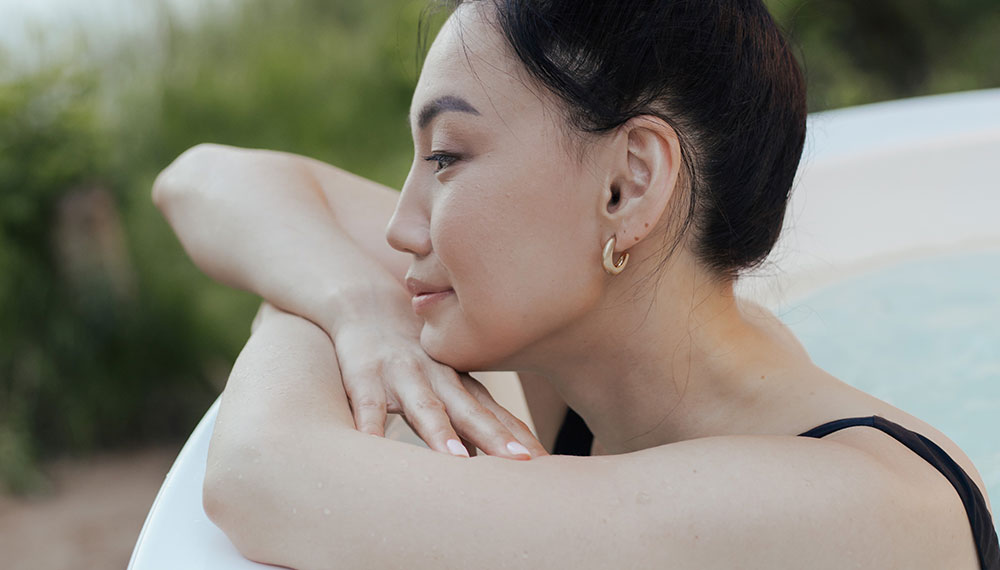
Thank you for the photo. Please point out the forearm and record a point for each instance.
(260, 221)
(283, 403)
(288, 478)
(292, 483)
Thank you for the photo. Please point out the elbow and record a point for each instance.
(213, 500)
(228, 500)
(185, 173)
(218, 499)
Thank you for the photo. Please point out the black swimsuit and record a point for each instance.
(575, 439)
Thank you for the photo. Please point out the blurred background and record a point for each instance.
(112, 344)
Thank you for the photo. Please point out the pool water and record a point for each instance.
(922, 335)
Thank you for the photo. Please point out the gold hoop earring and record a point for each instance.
(609, 252)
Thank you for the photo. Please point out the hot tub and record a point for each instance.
(888, 269)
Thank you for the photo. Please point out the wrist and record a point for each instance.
(382, 301)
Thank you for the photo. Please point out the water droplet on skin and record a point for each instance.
(319, 485)
(642, 498)
(326, 512)
(295, 511)
(240, 476)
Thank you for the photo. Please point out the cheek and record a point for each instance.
(519, 258)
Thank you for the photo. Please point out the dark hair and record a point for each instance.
(719, 72)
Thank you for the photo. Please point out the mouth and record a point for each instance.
(424, 301)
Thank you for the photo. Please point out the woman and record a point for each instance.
(590, 179)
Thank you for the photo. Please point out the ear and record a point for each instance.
(644, 165)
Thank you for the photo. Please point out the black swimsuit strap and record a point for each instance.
(975, 505)
(574, 436)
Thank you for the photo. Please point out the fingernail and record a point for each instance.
(456, 448)
(518, 449)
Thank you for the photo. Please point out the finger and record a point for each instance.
(518, 428)
(478, 424)
(368, 403)
(428, 417)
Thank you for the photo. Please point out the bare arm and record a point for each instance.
(309, 237)
(265, 222)
(291, 483)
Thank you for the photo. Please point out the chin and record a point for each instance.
(465, 355)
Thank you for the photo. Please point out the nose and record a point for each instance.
(409, 228)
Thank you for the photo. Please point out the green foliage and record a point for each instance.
(331, 79)
(859, 51)
(87, 358)
(110, 336)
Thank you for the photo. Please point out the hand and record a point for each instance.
(385, 370)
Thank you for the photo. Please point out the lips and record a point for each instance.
(426, 294)
(417, 287)
(423, 302)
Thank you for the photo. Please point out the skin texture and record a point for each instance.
(515, 178)
(643, 368)
(693, 393)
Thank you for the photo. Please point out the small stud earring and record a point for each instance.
(609, 265)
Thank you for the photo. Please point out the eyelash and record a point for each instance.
(440, 158)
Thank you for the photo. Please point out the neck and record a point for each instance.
(690, 361)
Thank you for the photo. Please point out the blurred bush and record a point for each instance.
(89, 356)
(108, 334)
(861, 51)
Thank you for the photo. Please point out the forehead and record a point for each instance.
(470, 59)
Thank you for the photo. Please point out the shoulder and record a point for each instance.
(773, 501)
(939, 517)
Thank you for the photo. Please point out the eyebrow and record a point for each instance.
(440, 105)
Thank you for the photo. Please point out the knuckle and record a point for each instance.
(365, 370)
(399, 366)
(369, 403)
(477, 412)
(409, 365)
(507, 418)
(431, 427)
(428, 403)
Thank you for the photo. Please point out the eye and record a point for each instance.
(443, 160)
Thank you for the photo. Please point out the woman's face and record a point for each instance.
(500, 211)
